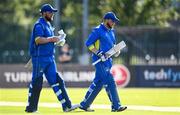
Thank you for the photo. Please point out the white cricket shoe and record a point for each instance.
(73, 107)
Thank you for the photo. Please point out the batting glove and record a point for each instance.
(101, 55)
(61, 37)
(60, 42)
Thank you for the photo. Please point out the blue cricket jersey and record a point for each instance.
(102, 38)
(41, 29)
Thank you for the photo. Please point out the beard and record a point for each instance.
(49, 18)
(109, 26)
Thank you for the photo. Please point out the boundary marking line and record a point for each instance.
(97, 106)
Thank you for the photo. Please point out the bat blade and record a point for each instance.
(116, 48)
(113, 50)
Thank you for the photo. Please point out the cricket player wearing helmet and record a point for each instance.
(102, 39)
(42, 46)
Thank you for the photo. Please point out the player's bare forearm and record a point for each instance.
(43, 40)
(94, 50)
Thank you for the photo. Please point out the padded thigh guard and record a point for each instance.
(34, 93)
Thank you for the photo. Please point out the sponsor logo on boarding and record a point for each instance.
(121, 75)
(162, 75)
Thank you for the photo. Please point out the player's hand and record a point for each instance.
(54, 39)
(117, 54)
(101, 55)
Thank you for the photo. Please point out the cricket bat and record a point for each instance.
(113, 51)
(29, 64)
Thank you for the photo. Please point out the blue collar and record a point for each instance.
(42, 20)
(104, 27)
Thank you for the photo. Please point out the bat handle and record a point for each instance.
(100, 60)
(96, 62)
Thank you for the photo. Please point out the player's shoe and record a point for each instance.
(86, 109)
(122, 108)
(31, 111)
(73, 107)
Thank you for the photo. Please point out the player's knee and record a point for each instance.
(59, 79)
(37, 83)
(110, 78)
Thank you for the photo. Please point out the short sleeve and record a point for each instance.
(38, 31)
(93, 37)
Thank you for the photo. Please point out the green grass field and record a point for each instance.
(129, 96)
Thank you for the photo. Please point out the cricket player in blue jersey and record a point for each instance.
(42, 49)
(102, 39)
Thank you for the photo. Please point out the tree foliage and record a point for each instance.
(137, 12)
(131, 12)
(17, 17)
(20, 12)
